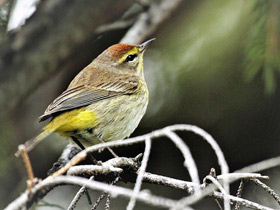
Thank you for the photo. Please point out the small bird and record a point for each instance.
(104, 102)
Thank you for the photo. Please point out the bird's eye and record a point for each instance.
(130, 57)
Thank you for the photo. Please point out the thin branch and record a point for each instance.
(88, 197)
(267, 189)
(169, 182)
(116, 164)
(108, 202)
(216, 183)
(154, 135)
(209, 189)
(218, 204)
(219, 186)
(99, 199)
(260, 166)
(220, 155)
(189, 162)
(94, 185)
(163, 180)
(93, 170)
(243, 202)
(102, 196)
(141, 172)
(27, 162)
(151, 178)
(236, 176)
(239, 193)
(78, 196)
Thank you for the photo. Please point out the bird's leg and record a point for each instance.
(82, 147)
(110, 150)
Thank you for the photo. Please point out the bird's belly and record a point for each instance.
(116, 118)
(120, 117)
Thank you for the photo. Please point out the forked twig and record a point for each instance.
(99, 199)
(78, 196)
(102, 196)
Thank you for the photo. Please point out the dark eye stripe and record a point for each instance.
(130, 57)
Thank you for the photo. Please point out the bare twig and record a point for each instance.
(94, 185)
(141, 172)
(116, 166)
(169, 182)
(221, 159)
(27, 163)
(218, 204)
(236, 176)
(88, 197)
(28, 166)
(260, 166)
(217, 184)
(108, 202)
(239, 193)
(78, 196)
(102, 196)
(151, 178)
(99, 199)
(243, 202)
(267, 189)
(209, 189)
(158, 179)
(93, 170)
(189, 161)
(154, 135)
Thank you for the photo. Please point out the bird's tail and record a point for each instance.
(30, 144)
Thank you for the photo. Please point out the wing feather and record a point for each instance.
(84, 95)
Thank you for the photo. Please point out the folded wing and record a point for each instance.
(84, 95)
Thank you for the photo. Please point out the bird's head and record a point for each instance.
(126, 58)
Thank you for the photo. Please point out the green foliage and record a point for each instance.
(262, 43)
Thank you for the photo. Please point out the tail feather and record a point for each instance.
(30, 144)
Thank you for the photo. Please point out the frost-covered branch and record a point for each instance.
(133, 170)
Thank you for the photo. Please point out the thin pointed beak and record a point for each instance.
(144, 45)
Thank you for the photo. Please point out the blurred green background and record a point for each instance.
(214, 64)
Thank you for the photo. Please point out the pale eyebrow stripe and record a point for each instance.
(132, 51)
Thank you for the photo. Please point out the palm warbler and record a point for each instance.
(104, 102)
